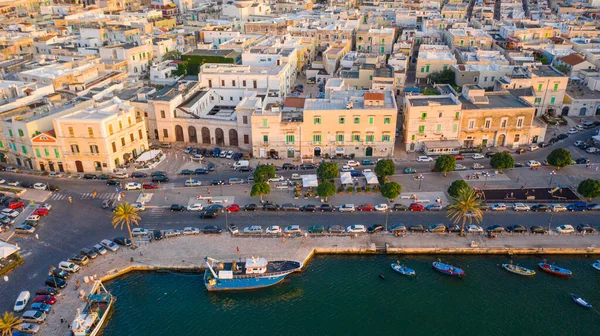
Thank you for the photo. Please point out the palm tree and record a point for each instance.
(125, 214)
(8, 322)
(465, 206)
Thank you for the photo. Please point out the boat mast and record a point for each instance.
(208, 260)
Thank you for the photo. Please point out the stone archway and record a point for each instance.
(501, 140)
(233, 138)
(317, 151)
(565, 111)
(205, 135)
(178, 133)
(192, 134)
(219, 137)
(582, 111)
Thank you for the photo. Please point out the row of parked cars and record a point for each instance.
(200, 153)
(576, 206)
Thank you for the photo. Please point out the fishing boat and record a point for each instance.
(518, 269)
(580, 301)
(402, 269)
(596, 265)
(448, 269)
(252, 273)
(553, 269)
(89, 322)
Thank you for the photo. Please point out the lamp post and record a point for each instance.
(420, 181)
(387, 212)
(550, 222)
(552, 173)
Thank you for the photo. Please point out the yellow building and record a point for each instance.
(433, 58)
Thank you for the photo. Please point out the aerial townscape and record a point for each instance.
(299, 167)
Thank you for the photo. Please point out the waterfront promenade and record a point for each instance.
(188, 252)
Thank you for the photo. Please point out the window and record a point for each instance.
(454, 128)
(114, 147)
(94, 149)
(552, 100)
(132, 57)
(245, 119)
(371, 120)
(1, 144)
(356, 120)
(427, 68)
(37, 153)
(289, 139)
(520, 122)
(356, 137)
(503, 123)
(46, 152)
(317, 138)
(165, 133)
(210, 83)
(71, 132)
(412, 137)
(265, 123)
(540, 86)
(91, 132)
(556, 87)
(386, 138)
(265, 139)
(56, 153)
(422, 69)
(122, 141)
(438, 129)
(140, 134)
(222, 82)
(423, 115)
(74, 149)
(370, 138)
(457, 115)
(341, 120)
(339, 138)
(440, 115)
(246, 139)
(244, 83)
(120, 125)
(10, 132)
(233, 83)
(110, 130)
(387, 120)
(422, 129)
(131, 137)
(488, 123)
(538, 100)
(254, 84)
(21, 133)
(317, 120)
(517, 138)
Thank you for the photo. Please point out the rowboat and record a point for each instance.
(447, 269)
(580, 301)
(518, 269)
(552, 269)
(596, 265)
(403, 269)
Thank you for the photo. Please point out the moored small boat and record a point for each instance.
(518, 269)
(403, 269)
(580, 301)
(90, 321)
(447, 269)
(553, 269)
(596, 265)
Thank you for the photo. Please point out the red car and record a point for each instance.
(41, 211)
(16, 205)
(459, 157)
(233, 208)
(416, 207)
(149, 185)
(47, 299)
(366, 207)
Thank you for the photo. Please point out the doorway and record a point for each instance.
(369, 151)
(501, 140)
(317, 151)
(51, 166)
(79, 166)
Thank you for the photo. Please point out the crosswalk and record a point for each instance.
(153, 219)
(81, 196)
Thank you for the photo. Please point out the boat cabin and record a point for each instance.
(256, 265)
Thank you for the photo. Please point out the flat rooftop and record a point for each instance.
(495, 101)
(339, 100)
(547, 71)
(425, 100)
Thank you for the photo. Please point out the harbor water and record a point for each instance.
(346, 295)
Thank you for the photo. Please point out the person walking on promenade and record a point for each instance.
(70, 199)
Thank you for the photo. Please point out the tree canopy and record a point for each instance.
(445, 163)
(259, 189)
(328, 170)
(391, 190)
(442, 77)
(502, 160)
(456, 186)
(126, 215)
(326, 189)
(385, 168)
(465, 206)
(589, 188)
(263, 173)
(559, 158)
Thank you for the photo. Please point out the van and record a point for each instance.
(241, 163)
(69, 266)
(34, 316)
(22, 300)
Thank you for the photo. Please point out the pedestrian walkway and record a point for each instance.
(83, 196)
(154, 218)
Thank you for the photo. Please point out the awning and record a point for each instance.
(346, 178)
(371, 178)
(7, 249)
(149, 155)
(309, 181)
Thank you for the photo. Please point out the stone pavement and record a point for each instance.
(188, 252)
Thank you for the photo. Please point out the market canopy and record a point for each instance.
(148, 155)
(346, 178)
(7, 249)
(309, 181)
(371, 178)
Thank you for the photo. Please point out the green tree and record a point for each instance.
(126, 215)
(173, 55)
(328, 170)
(385, 168)
(559, 158)
(502, 161)
(259, 189)
(562, 68)
(589, 188)
(8, 322)
(326, 189)
(456, 186)
(445, 163)
(263, 173)
(391, 190)
(442, 77)
(465, 207)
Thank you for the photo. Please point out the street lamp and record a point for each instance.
(550, 222)
(552, 173)
(387, 212)
(420, 181)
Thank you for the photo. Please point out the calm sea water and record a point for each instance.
(345, 296)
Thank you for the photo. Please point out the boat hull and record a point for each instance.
(581, 301)
(448, 269)
(96, 330)
(555, 270)
(596, 265)
(519, 270)
(403, 270)
(239, 284)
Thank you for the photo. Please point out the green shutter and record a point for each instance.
(427, 68)
(540, 87)
(10, 132)
(265, 123)
(1, 144)
(56, 153)
(24, 149)
(371, 120)
(555, 87)
(265, 138)
(454, 128)
(47, 152)
(439, 128)
(552, 100)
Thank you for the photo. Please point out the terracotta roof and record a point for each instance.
(294, 102)
(46, 38)
(28, 90)
(51, 133)
(374, 96)
(573, 59)
(165, 30)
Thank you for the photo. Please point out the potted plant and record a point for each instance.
(350, 190)
(296, 195)
(340, 190)
(358, 190)
(368, 190)
(376, 189)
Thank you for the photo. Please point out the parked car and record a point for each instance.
(100, 249)
(79, 259)
(399, 207)
(577, 206)
(336, 229)
(109, 245)
(208, 214)
(177, 207)
(34, 316)
(424, 159)
(434, 207)
(381, 207)
(40, 186)
(558, 208)
(250, 207)
(517, 228)
(55, 282)
(375, 228)
(417, 228)
(160, 178)
(253, 229)
(397, 228)
(357, 228)
(538, 229)
(474, 229)
(521, 207)
(189, 231)
(593, 207)
(195, 207)
(346, 208)
(416, 207)
(149, 185)
(587, 228)
(123, 241)
(192, 183)
(21, 301)
(367, 163)
(273, 229)
(201, 171)
(271, 207)
(292, 229)
(316, 229)
(157, 235)
(217, 182)
(10, 213)
(172, 233)
(233, 208)
(533, 163)
(540, 208)
(326, 208)
(187, 172)
(366, 207)
(564, 229)
(308, 208)
(89, 253)
(290, 207)
(233, 229)
(235, 180)
(24, 228)
(43, 307)
(495, 229)
(498, 207)
(409, 170)
(437, 228)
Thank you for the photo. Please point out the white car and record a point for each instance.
(120, 175)
(100, 249)
(28, 328)
(22, 300)
(474, 229)
(139, 206)
(357, 228)
(381, 207)
(589, 150)
(46, 205)
(572, 131)
(558, 208)
(296, 177)
(282, 185)
(191, 231)
(293, 229)
(2, 181)
(533, 163)
(276, 178)
(498, 207)
(70, 267)
(521, 207)
(193, 183)
(577, 143)
(10, 213)
(565, 229)
(14, 183)
(533, 148)
(55, 174)
(139, 232)
(110, 245)
(195, 207)
(352, 163)
(346, 168)
(275, 229)
(253, 229)
(478, 156)
(424, 159)
(367, 171)
(229, 155)
(579, 127)
(33, 218)
(40, 186)
(459, 167)
(11, 169)
(477, 166)
(133, 186)
(347, 208)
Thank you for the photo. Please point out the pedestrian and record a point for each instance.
(62, 319)
(237, 249)
(283, 238)
(77, 284)
(512, 195)
(37, 236)
(70, 199)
